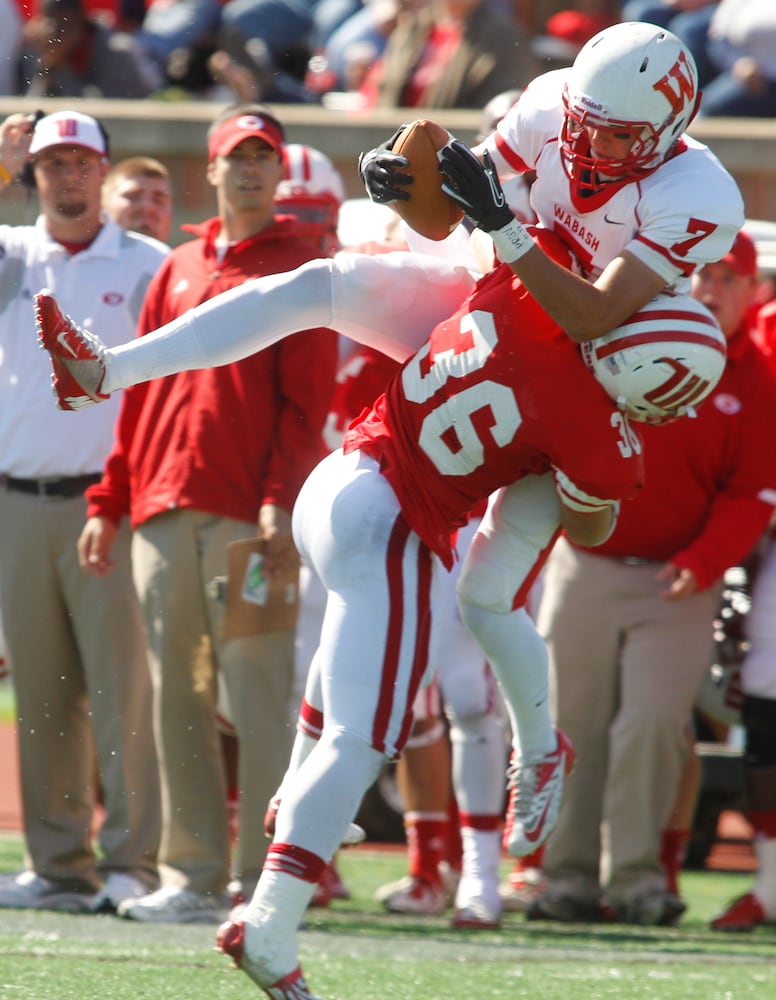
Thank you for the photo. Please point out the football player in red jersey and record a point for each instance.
(497, 399)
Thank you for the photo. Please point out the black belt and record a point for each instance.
(62, 488)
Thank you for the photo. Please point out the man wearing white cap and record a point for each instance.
(81, 677)
(202, 459)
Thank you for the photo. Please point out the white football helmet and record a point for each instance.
(662, 361)
(312, 190)
(636, 78)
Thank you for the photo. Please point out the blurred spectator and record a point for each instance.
(10, 45)
(449, 54)
(81, 682)
(137, 194)
(687, 19)
(564, 35)
(67, 54)
(180, 36)
(202, 459)
(742, 47)
(629, 624)
(274, 39)
(357, 43)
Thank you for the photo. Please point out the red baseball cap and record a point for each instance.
(232, 132)
(742, 256)
(566, 32)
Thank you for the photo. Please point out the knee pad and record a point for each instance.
(482, 585)
(427, 735)
(482, 728)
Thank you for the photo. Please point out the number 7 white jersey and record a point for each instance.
(682, 215)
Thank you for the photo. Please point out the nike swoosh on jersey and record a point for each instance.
(612, 222)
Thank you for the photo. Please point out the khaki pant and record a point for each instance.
(175, 558)
(626, 666)
(81, 684)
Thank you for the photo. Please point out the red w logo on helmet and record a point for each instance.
(677, 86)
(681, 389)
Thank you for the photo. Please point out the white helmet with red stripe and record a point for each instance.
(312, 190)
(662, 361)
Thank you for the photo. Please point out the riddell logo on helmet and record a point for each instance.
(590, 104)
(677, 86)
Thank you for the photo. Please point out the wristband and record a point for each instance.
(512, 241)
(5, 177)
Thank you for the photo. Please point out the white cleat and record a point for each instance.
(535, 793)
(413, 895)
(477, 904)
(231, 939)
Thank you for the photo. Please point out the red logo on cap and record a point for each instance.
(67, 128)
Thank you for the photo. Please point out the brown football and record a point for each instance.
(429, 210)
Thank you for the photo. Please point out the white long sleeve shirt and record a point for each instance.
(101, 288)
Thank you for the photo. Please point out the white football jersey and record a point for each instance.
(683, 215)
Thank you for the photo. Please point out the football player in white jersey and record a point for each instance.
(638, 202)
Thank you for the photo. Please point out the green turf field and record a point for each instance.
(354, 951)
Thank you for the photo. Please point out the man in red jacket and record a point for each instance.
(629, 625)
(202, 459)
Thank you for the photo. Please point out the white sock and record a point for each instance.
(323, 796)
(302, 748)
(478, 761)
(338, 292)
(481, 854)
(518, 658)
(765, 882)
(227, 328)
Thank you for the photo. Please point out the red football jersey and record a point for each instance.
(498, 392)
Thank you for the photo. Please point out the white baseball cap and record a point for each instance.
(68, 128)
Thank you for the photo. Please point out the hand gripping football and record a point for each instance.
(429, 211)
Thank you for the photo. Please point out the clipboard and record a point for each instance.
(255, 602)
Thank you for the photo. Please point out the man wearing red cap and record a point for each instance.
(202, 459)
(629, 625)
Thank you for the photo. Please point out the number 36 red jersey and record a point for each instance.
(498, 392)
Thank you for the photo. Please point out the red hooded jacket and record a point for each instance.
(221, 440)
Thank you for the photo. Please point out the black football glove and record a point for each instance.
(378, 169)
(475, 186)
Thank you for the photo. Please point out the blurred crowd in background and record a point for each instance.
(358, 54)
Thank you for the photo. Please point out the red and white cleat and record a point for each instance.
(535, 793)
(79, 359)
(743, 914)
(414, 895)
(231, 941)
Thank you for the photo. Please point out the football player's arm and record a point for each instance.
(587, 520)
(584, 310)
